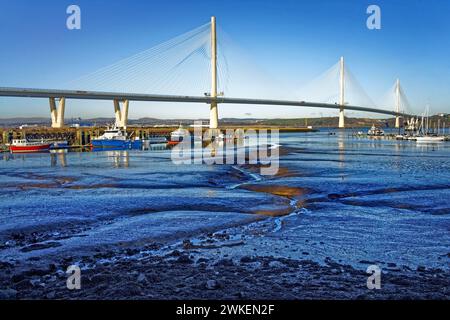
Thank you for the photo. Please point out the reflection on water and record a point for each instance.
(341, 148)
(58, 157)
(119, 159)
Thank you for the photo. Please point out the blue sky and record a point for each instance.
(292, 40)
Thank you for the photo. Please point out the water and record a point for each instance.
(353, 200)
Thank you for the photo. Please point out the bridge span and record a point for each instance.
(121, 115)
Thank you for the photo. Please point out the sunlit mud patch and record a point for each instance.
(275, 211)
(282, 172)
(294, 195)
(94, 186)
(278, 190)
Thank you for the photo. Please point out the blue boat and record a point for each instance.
(60, 144)
(112, 138)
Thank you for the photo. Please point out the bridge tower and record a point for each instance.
(121, 113)
(57, 113)
(397, 103)
(213, 112)
(341, 94)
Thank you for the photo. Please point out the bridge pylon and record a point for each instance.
(121, 113)
(213, 112)
(341, 94)
(57, 113)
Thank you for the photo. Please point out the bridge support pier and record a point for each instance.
(121, 113)
(341, 118)
(57, 113)
(213, 116)
(397, 122)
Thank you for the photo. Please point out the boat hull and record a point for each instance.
(60, 145)
(430, 139)
(28, 149)
(124, 144)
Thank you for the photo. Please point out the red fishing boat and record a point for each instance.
(23, 145)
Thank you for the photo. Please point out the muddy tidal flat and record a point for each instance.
(141, 227)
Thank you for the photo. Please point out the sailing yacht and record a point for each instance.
(425, 129)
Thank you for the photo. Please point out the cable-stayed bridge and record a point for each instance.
(164, 68)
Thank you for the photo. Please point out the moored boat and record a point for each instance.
(23, 145)
(375, 132)
(157, 139)
(178, 135)
(60, 144)
(112, 138)
(430, 139)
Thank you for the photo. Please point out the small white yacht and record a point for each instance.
(430, 139)
(375, 132)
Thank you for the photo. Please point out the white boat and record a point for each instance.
(425, 129)
(375, 132)
(224, 137)
(179, 134)
(430, 139)
(156, 139)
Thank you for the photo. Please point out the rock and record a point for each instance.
(34, 258)
(202, 260)
(141, 278)
(421, 268)
(61, 274)
(131, 252)
(247, 259)
(391, 265)
(18, 236)
(225, 262)
(187, 244)
(35, 282)
(175, 253)
(184, 259)
(153, 277)
(52, 267)
(17, 278)
(51, 295)
(8, 294)
(10, 243)
(212, 285)
(36, 272)
(98, 279)
(276, 264)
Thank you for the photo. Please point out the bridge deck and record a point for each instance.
(98, 95)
